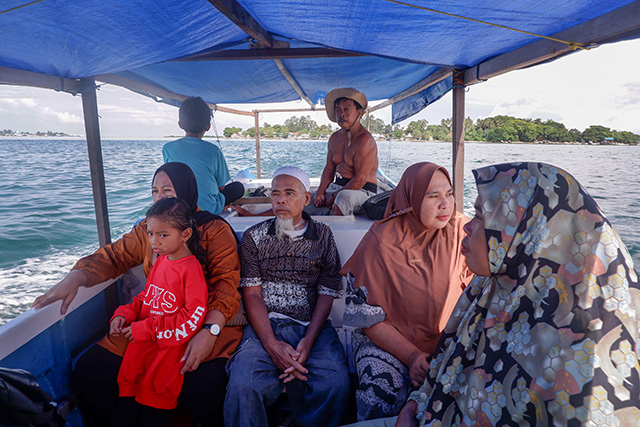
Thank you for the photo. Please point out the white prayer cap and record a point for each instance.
(295, 172)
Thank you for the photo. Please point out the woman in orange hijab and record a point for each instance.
(404, 278)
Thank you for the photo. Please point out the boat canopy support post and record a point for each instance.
(457, 129)
(94, 146)
(257, 125)
(294, 84)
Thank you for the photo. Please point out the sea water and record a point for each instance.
(47, 218)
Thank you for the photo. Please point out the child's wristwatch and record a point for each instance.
(214, 328)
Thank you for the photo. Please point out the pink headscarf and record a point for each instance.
(414, 273)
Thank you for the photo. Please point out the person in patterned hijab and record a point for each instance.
(547, 332)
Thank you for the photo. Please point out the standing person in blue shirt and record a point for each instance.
(205, 159)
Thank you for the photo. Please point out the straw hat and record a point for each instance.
(350, 93)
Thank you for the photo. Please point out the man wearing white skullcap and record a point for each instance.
(290, 276)
(295, 172)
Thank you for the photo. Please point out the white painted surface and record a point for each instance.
(29, 324)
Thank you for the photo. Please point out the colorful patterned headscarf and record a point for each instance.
(551, 338)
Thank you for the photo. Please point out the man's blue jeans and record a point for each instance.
(254, 384)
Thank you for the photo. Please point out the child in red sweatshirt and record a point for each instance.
(161, 319)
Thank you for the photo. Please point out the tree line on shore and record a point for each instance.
(293, 126)
(490, 129)
(9, 132)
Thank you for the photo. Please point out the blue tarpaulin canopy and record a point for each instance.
(250, 51)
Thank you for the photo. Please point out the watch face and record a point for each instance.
(214, 329)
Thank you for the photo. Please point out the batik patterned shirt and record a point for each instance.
(292, 272)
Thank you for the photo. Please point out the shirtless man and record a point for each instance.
(352, 157)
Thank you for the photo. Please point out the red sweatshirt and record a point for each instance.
(163, 317)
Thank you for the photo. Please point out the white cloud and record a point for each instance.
(17, 102)
(29, 102)
(578, 90)
(63, 116)
(121, 109)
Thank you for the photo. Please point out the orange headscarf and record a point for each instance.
(414, 273)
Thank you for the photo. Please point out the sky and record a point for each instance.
(596, 87)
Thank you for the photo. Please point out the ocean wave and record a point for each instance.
(47, 219)
(21, 284)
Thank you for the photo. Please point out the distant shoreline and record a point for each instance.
(428, 141)
(43, 137)
(169, 137)
(39, 135)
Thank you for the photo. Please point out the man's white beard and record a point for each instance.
(282, 225)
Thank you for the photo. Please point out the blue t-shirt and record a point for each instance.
(208, 165)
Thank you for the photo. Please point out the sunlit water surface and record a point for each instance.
(46, 207)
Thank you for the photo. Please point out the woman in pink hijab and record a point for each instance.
(404, 278)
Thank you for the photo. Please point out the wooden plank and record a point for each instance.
(252, 200)
(257, 126)
(292, 82)
(274, 53)
(457, 129)
(434, 78)
(239, 16)
(148, 89)
(14, 76)
(615, 25)
(94, 146)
